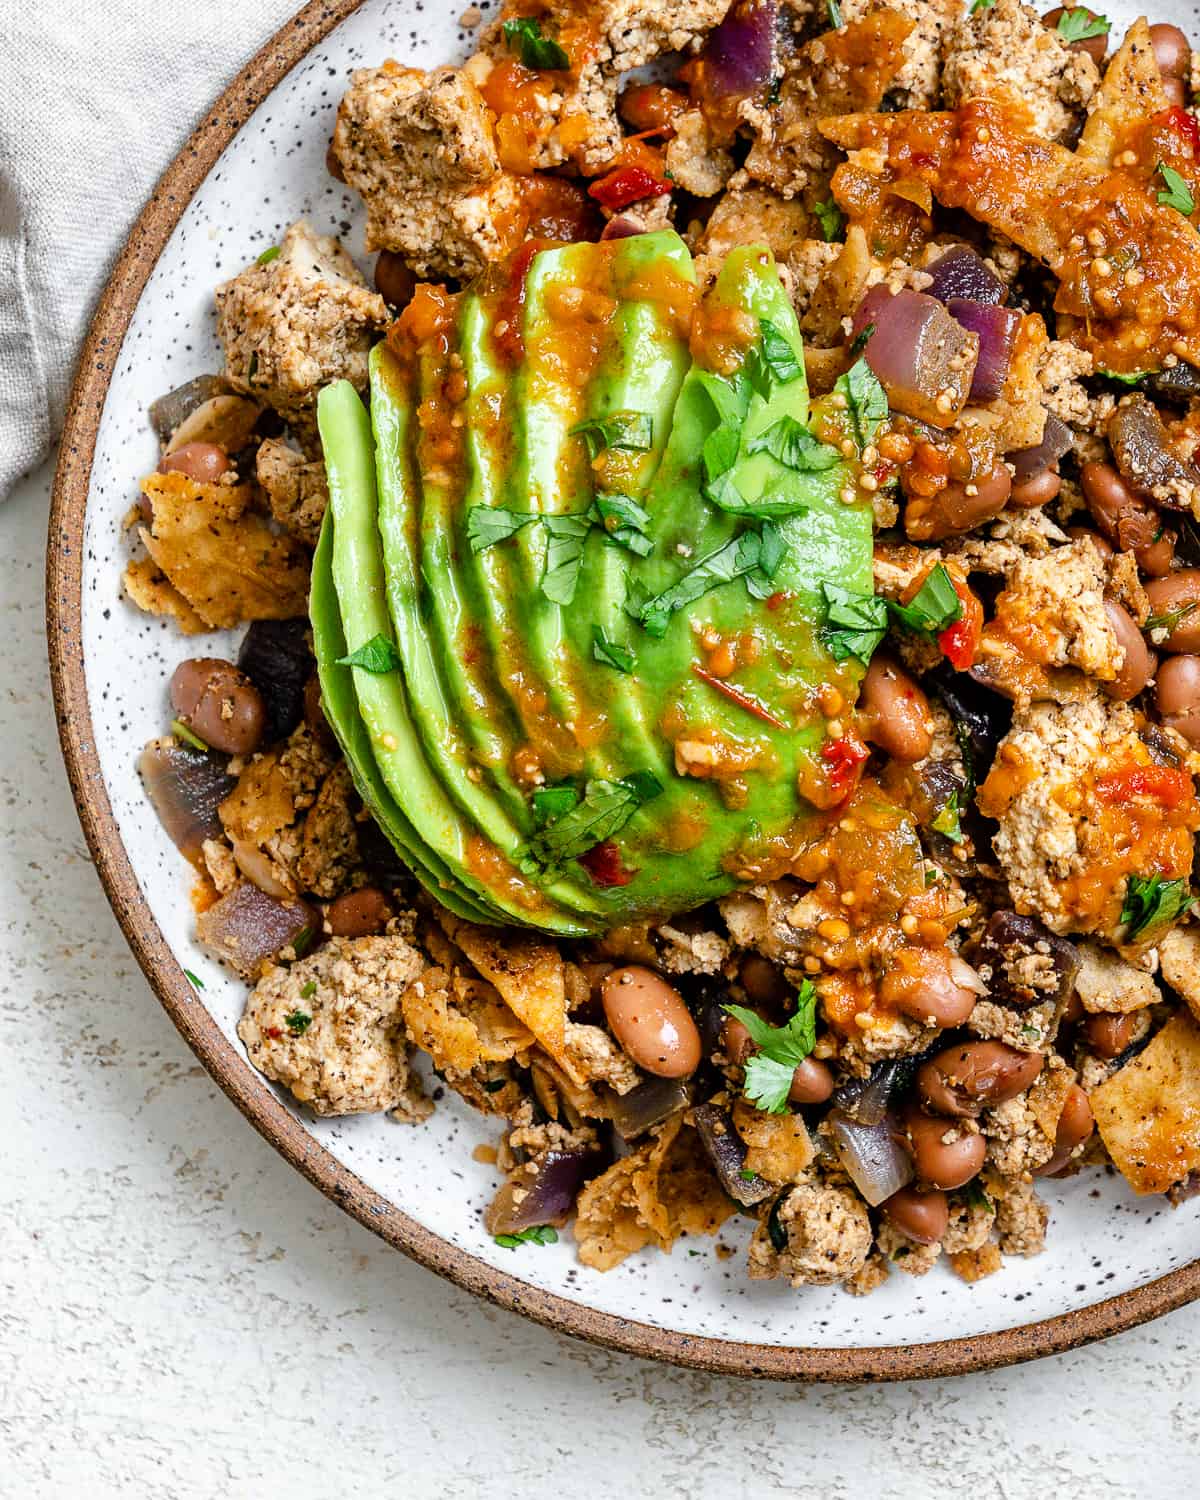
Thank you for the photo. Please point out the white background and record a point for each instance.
(182, 1315)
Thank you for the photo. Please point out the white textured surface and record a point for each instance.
(182, 1315)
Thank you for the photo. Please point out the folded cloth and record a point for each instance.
(95, 100)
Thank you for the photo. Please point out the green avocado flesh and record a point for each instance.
(577, 568)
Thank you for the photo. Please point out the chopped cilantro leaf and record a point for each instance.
(1177, 194)
(1152, 902)
(730, 398)
(309, 990)
(623, 522)
(947, 821)
(550, 802)
(268, 256)
(487, 525)
(778, 356)
(978, 5)
(781, 1049)
(303, 941)
(1170, 620)
(564, 556)
(193, 979)
(297, 1022)
(1135, 378)
(935, 605)
(603, 810)
(378, 655)
(611, 653)
(866, 400)
(834, 11)
(524, 37)
(831, 219)
(739, 556)
(855, 623)
(976, 1196)
(632, 431)
(793, 445)
(747, 1175)
(1081, 25)
(541, 1234)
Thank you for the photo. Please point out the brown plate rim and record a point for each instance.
(232, 1071)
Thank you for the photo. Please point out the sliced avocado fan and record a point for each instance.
(568, 600)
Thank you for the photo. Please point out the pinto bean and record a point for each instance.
(1108, 1034)
(944, 1154)
(1075, 1124)
(1094, 46)
(219, 704)
(895, 711)
(394, 282)
(1172, 50)
(922, 1217)
(930, 984)
(359, 913)
(963, 505)
(1128, 521)
(763, 981)
(203, 462)
(1039, 490)
(1176, 92)
(735, 1040)
(1138, 666)
(1178, 591)
(964, 1079)
(1102, 545)
(1177, 693)
(812, 1082)
(651, 1022)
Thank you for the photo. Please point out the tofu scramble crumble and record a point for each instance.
(731, 695)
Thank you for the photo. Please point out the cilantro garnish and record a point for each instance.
(976, 1196)
(611, 653)
(378, 655)
(776, 1233)
(189, 736)
(550, 802)
(1133, 379)
(631, 431)
(193, 979)
(978, 5)
(752, 553)
(309, 990)
(777, 355)
(297, 1022)
(831, 219)
(781, 1049)
(542, 1234)
(1152, 902)
(947, 821)
(487, 525)
(564, 556)
(793, 445)
(524, 37)
(1081, 25)
(866, 400)
(747, 1175)
(1170, 620)
(856, 623)
(268, 256)
(834, 11)
(935, 605)
(1177, 195)
(603, 810)
(623, 521)
(303, 941)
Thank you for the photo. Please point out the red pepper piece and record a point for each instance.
(960, 642)
(845, 759)
(1162, 784)
(603, 864)
(627, 185)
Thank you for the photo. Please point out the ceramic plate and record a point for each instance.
(256, 164)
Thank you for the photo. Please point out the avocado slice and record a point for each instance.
(668, 703)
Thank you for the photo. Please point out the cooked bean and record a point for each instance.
(1039, 490)
(763, 981)
(359, 913)
(1094, 46)
(895, 711)
(1178, 591)
(1075, 1124)
(930, 985)
(651, 1022)
(219, 704)
(812, 1082)
(944, 1154)
(1073, 1010)
(963, 505)
(1138, 666)
(735, 1041)
(203, 462)
(1176, 92)
(1128, 521)
(1157, 558)
(314, 714)
(919, 1216)
(1172, 50)
(963, 1079)
(1102, 545)
(394, 282)
(1177, 693)
(1108, 1034)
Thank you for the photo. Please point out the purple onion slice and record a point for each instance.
(727, 1152)
(541, 1192)
(873, 1158)
(247, 926)
(185, 788)
(962, 273)
(739, 56)
(1056, 440)
(648, 1104)
(924, 360)
(1142, 449)
(997, 328)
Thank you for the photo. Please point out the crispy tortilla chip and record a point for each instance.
(1148, 1114)
(226, 562)
(1047, 1097)
(778, 1146)
(1130, 92)
(839, 292)
(461, 1022)
(529, 976)
(150, 589)
(661, 1190)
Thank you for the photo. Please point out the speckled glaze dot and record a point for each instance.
(420, 1186)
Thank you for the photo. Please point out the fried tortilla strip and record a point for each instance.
(461, 1022)
(150, 589)
(224, 560)
(1130, 92)
(1148, 1113)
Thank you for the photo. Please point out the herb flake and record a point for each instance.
(297, 1022)
(866, 401)
(377, 656)
(629, 431)
(540, 1234)
(781, 1049)
(611, 653)
(603, 810)
(1152, 902)
(524, 37)
(488, 524)
(831, 219)
(1082, 25)
(1177, 194)
(181, 731)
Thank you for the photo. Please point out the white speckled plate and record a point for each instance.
(255, 165)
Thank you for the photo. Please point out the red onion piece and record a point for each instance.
(246, 926)
(541, 1192)
(1056, 440)
(1141, 447)
(170, 410)
(865, 1100)
(962, 273)
(997, 328)
(925, 361)
(185, 788)
(739, 56)
(875, 1161)
(727, 1152)
(648, 1104)
(622, 227)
